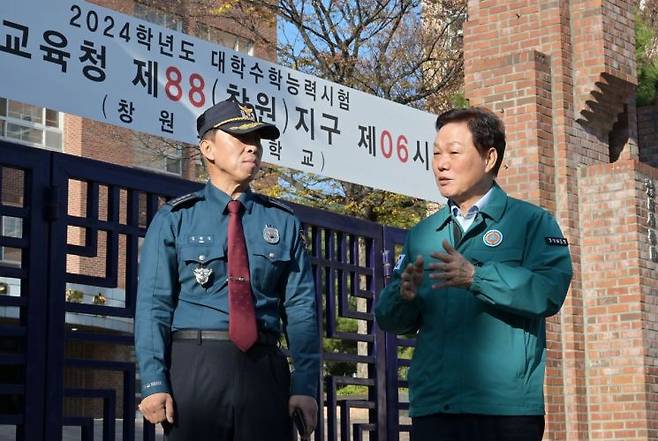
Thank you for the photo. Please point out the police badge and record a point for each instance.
(202, 274)
(271, 235)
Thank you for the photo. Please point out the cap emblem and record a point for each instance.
(247, 112)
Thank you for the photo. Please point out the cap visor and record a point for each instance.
(265, 130)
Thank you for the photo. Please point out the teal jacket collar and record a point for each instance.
(494, 208)
(216, 196)
(496, 205)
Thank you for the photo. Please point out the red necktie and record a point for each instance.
(241, 318)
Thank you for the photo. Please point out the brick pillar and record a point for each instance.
(620, 307)
(561, 75)
(518, 88)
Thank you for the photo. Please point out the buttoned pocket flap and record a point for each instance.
(273, 254)
(202, 255)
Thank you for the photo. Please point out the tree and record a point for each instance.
(407, 51)
(384, 48)
(646, 40)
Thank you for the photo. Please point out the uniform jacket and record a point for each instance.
(482, 350)
(191, 232)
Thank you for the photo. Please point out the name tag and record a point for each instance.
(200, 239)
(556, 241)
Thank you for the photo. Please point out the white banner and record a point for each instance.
(80, 58)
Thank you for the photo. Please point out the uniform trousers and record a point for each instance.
(223, 394)
(469, 427)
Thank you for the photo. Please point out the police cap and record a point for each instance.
(235, 118)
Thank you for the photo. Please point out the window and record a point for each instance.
(11, 227)
(226, 39)
(157, 154)
(174, 164)
(32, 125)
(159, 17)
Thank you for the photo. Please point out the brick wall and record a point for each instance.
(604, 56)
(561, 75)
(618, 305)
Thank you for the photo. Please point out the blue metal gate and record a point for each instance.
(69, 246)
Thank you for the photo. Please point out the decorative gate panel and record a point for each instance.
(69, 250)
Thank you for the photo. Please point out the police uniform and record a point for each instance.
(482, 350)
(182, 318)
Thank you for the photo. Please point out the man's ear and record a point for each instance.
(491, 158)
(207, 150)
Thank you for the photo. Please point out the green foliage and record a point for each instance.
(404, 352)
(340, 368)
(647, 61)
(458, 100)
(353, 389)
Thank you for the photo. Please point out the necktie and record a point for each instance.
(456, 232)
(242, 318)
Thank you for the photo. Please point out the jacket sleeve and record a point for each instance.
(302, 326)
(157, 287)
(392, 312)
(539, 285)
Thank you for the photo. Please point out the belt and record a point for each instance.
(264, 338)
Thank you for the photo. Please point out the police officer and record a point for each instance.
(223, 273)
(475, 281)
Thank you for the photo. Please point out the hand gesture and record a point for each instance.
(453, 269)
(412, 278)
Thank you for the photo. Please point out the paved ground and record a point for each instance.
(8, 433)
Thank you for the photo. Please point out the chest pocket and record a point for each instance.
(268, 263)
(211, 258)
(508, 256)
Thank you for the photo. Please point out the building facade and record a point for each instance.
(562, 76)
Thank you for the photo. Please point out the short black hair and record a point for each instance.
(209, 135)
(487, 129)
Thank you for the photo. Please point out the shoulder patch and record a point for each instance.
(275, 203)
(183, 200)
(399, 262)
(556, 241)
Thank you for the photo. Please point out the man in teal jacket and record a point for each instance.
(476, 281)
(223, 272)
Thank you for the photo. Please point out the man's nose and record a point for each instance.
(442, 163)
(253, 146)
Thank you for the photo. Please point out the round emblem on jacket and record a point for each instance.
(271, 235)
(492, 238)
